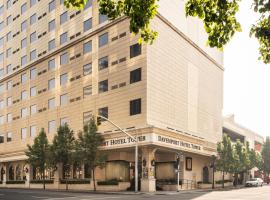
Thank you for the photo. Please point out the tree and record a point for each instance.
(241, 160)
(87, 147)
(63, 148)
(225, 159)
(266, 157)
(218, 17)
(38, 154)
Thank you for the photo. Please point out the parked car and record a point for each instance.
(254, 182)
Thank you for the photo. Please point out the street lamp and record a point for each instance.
(213, 165)
(136, 148)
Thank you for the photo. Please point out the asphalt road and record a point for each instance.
(260, 193)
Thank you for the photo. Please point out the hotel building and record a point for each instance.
(63, 66)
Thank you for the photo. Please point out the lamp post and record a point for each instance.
(136, 148)
(213, 165)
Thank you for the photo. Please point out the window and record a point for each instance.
(87, 24)
(1, 41)
(23, 133)
(63, 17)
(63, 99)
(9, 101)
(102, 18)
(51, 6)
(51, 64)
(135, 75)
(2, 73)
(33, 19)
(24, 95)
(33, 73)
(23, 43)
(23, 60)
(88, 4)
(9, 69)
(9, 137)
(9, 36)
(23, 25)
(63, 121)
(103, 86)
(32, 2)
(9, 20)
(103, 63)
(8, 52)
(33, 37)
(1, 26)
(51, 126)
(9, 4)
(2, 120)
(135, 50)
(2, 88)
(2, 138)
(23, 8)
(51, 25)
(24, 112)
(33, 55)
(2, 105)
(87, 47)
(51, 103)
(51, 84)
(87, 91)
(64, 59)
(33, 109)
(33, 91)
(103, 40)
(2, 10)
(9, 117)
(23, 78)
(103, 112)
(63, 38)
(87, 117)
(51, 45)
(9, 85)
(1, 57)
(135, 107)
(63, 79)
(87, 69)
(33, 131)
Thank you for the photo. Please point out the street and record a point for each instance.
(259, 193)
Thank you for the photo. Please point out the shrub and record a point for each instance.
(75, 181)
(50, 181)
(16, 182)
(109, 182)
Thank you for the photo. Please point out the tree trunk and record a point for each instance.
(236, 179)
(43, 178)
(222, 179)
(94, 179)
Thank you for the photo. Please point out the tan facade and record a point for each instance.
(180, 89)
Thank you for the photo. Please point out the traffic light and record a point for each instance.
(99, 120)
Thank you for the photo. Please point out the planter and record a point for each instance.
(15, 182)
(41, 181)
(74, 181)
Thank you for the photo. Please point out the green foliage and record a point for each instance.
(63, 147)
(241, 161)
(266, 156)
(38, 153)
(226, 155)
(87, 147)
(218, 17)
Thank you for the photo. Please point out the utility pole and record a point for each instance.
(136, 148)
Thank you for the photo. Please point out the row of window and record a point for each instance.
(135, 108)
(103, 63)
(135, 76)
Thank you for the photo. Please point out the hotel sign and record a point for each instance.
(153, 139)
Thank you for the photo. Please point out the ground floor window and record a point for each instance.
(37, 174)
(118, 170)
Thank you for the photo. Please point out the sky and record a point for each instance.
(246, 79)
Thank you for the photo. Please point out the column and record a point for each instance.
(148, 181)
(6, 173)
